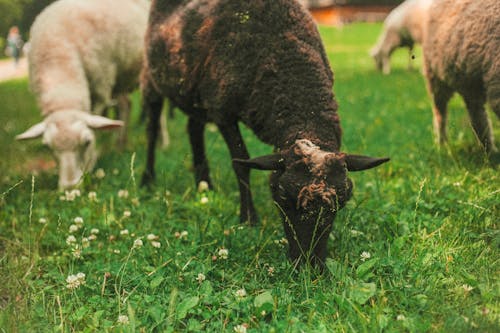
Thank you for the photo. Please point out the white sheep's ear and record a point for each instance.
(33, 132)
(360, 163)
(99, 122)
(266, 162)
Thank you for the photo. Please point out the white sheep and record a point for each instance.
(403, 27)
(461, 53)
(85, 57)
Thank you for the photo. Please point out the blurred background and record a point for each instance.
(21, 13)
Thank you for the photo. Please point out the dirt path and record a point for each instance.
(8, 71)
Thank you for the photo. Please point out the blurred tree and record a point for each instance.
(21, 13)
(30, 9)
(11, 14)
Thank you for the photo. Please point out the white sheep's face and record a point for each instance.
(70, 136)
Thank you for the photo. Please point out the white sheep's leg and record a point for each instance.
(411, 57)
(480, 121)
(124, 106)
(386, 64)
(440, 94)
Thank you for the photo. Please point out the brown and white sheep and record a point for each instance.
(403, 27)
(84, 56)
(461, 53)
(262, 63)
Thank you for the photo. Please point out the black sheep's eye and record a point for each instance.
(87, 143)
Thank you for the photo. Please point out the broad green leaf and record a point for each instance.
(156, 282)
(206, 288)
(365, 268)
(362, 292)
(264, 302)
(186, 305)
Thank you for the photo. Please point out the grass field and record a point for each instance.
(416, 249)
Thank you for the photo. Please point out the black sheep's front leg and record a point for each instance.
(152, 103)
(196, 131)
(238, 150)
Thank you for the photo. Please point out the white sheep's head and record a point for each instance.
(309, 185)
(70, 136)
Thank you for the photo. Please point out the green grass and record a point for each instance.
(429, 220)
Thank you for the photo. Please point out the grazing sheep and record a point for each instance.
(403, 27)
(461, 53)
(262, 63)
(83, 56)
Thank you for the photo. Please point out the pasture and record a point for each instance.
(416, 249)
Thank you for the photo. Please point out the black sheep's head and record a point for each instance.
(309, 186)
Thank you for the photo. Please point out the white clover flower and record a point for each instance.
(138, 243)
(77, 252)
(223, 253)
(270, 271)
(42, 220)
(68, 196)
(72, 282)
(78, 220)
(123, 194)
(156, 244)
(201, 277)
(467, 288)
(127, 213)
(152, 237)
(356, 233)
(73, 228)
(240, 328)
(400, 317)
(204, 200)
(116, 251)
(241, 293)
(365, 255)
(92, 237)
(100, 174)
(124, 232)
(92, 196)
(181, 235)
(85, 242)
(75, 281)
(123, 320)
(281, 242)
(94, 231)
(202, 186)
(70, 240)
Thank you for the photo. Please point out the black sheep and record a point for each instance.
(260, 62)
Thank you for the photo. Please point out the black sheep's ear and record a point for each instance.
(266, 162)
(359, 162)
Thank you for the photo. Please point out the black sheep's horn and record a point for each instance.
(266, 162)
